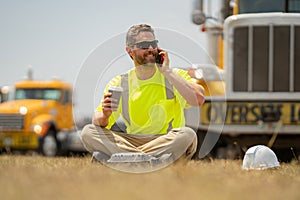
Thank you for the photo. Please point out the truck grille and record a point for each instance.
(11, 122)
(266, 58)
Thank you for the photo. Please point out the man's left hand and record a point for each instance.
(165, 66)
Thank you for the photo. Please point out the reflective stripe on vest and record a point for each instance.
(125, 97)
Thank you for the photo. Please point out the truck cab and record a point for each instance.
(33, 119)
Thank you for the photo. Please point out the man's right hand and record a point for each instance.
(108, 106)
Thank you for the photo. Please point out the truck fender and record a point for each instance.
(42, 123)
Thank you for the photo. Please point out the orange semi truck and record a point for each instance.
(40, 118)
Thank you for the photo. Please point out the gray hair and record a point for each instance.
(135, 30)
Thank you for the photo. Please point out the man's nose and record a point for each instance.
(150, 47)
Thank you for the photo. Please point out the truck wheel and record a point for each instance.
(49, 144)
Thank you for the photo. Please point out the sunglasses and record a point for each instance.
(146, 44)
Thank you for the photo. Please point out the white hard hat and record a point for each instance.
(260, 157)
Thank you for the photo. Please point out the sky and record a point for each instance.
(83, 43)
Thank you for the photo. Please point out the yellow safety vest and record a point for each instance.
(149, 106)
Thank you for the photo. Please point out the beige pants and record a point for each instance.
(179, 141)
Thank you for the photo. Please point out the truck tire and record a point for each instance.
(49, 145)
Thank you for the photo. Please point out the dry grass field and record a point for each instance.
(35, 178)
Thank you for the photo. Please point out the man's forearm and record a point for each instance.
(99, 119)
(192, 92)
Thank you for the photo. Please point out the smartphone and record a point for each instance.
(159, 58)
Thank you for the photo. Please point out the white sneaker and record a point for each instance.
(99, 156)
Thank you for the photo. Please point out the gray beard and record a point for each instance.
(149, 65)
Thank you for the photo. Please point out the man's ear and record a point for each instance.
(129, 51)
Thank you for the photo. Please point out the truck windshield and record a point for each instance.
(261, 6)
(38, 93)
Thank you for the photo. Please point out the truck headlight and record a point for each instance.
(23, 110)
(40, 129)
(37, 129)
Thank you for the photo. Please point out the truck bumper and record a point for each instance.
(262, 128)
(17, 140)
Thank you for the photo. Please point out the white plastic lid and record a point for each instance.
(115, 88)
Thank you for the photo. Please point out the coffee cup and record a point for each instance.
(116, 93)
